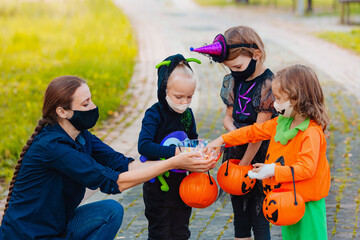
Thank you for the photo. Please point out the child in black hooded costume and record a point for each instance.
(167, 214)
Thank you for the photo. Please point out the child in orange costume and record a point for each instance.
(297, 139)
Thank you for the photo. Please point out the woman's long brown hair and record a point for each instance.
(58, 94)
(302, 86)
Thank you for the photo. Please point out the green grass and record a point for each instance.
(215, 2)
(322, 7)
(349, 40)
(45, 39)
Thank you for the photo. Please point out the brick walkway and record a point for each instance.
(165, 27)
(168, 27)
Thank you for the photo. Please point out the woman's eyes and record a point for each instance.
(86, 104)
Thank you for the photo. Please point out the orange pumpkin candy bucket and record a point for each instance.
(283, 206)
(198, 190)
(234, 179)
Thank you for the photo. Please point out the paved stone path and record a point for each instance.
(165, 27)
(170, 26)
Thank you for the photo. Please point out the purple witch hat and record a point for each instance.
(217, 50)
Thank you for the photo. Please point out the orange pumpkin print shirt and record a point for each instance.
(306, 152)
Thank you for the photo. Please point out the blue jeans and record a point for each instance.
(98, 220)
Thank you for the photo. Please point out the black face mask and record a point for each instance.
(82, 120)
(243, 75)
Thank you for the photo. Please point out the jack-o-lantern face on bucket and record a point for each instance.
(248, 184)
(280, 207)
(234, 179)
(269, 184)
(272, 212)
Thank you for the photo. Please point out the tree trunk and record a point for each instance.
(309, 6)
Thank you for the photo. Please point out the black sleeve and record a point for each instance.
(146, 144)
(227, 90)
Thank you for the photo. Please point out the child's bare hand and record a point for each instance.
(208, 150)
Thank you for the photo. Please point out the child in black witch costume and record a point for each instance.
(168, 121)
(247, 94)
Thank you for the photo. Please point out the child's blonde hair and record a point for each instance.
(183, 69)
(244, 34)
(302, 86)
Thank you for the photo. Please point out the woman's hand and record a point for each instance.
(177, 151)
(141, 172)
(193, 162)
(262, 171)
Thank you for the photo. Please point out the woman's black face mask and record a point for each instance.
(83, 120)
(243, 75)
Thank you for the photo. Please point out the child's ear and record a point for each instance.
(257, 54)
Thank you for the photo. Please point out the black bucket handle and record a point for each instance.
(211, 182)
(227, 168)
(293, 176)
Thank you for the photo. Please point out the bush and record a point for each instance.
(41, 40)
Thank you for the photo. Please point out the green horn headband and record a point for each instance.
(167, 62)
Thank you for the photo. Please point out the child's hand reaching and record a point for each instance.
(262, 171)
(217, 142)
